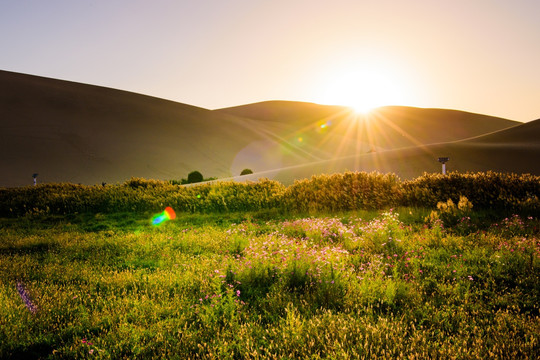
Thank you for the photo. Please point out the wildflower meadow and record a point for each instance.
(451, 281)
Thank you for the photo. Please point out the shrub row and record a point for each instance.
(345, 191)
(337, 192)
(140, 195)
(486, 190)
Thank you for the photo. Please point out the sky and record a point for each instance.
(480, 56)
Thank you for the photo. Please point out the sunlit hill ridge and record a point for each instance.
(72, 132)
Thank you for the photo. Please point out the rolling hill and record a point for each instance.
(515, 150)
(401, 125)
(79, 133)
(72, 132)
(330, 132)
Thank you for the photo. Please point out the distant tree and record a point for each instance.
(246, 172)
(194, 177)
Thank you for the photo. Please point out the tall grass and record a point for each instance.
(309, 287)
(349, 191)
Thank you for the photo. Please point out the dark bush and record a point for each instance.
(194, 177)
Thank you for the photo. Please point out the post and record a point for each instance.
(443, 160)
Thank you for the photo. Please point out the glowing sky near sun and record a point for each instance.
(480, 56)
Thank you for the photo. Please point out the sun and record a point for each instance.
(362, 88)
(363, 109)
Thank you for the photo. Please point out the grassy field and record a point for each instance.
(379, 284)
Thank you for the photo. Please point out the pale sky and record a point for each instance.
(475, 55)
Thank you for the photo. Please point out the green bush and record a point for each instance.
(194, 177)
(449, 213)
(347, 191)
(488, 190)
(342, 192)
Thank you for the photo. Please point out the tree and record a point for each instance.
(194, 177)
(246, 172)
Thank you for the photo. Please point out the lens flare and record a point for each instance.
(322, 126)
(166, 215)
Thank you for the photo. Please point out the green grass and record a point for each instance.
(269, 285)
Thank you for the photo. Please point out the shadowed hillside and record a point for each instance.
(80, 133)
(414, 125)
(524, 134)
(72, 132)
(333, 131)
(515, 150)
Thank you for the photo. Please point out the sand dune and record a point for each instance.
(386, 128)
(79, 133)
(500, 151)
(72, 132)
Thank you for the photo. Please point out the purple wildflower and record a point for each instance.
(26, 297)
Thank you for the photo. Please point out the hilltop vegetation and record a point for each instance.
(323, 193)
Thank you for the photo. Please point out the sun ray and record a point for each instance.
(402, 131)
